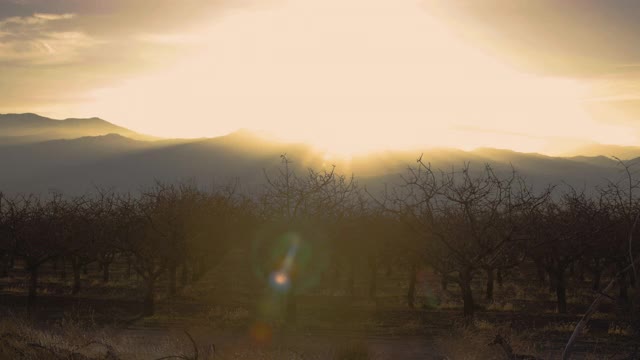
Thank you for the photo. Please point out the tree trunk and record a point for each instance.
(128, 268)
(198, 271)
(172, 269)
(542, 276)
(623, 296)
(335, 277)
(63, 269)
(184, 274)
(597, 276)
(105, 272)
(33, 286)
(541, 272)
(499, 278)
(149, 298)
(76, 267)
(411, 293)
(561, 290)
(4, 271)
(194, 271)
(490, 280)
(444, 282)
(553, 286)
(467, 294)
(351, 278)
(373, 278)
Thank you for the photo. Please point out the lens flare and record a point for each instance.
(280, 280)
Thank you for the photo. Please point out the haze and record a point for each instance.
(344, 76)
(319, 179)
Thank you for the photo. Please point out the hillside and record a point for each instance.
(79, 160)
(594, 150)
(31, 128)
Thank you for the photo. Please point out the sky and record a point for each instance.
(347, 76)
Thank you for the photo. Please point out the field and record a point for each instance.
(221, 312)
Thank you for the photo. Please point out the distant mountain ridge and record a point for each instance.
(619, 151)
(77, 155)
(30, 128)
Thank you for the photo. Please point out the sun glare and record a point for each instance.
(349, 78)
(280, 278)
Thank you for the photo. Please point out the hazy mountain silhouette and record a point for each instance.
(127, 163)
(30, 128)
(76, 166)
(622, 152)
(46, 156)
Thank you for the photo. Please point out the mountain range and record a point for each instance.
(73, 156)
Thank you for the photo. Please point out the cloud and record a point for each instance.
(374, 67)
(35, 19)
(34, 40)
(116, 17)
(53, 17)
(55, 50)
(58, 51)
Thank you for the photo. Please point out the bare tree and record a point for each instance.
(7, 243)
(467, 222)
(139, 239)
(623, 196)
(41, 230)
(293, 202)
(565, 232)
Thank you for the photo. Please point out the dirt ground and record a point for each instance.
(221, 311)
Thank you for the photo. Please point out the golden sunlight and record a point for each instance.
(350, 77)
(328, 179)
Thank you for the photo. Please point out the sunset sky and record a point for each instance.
(344, 75)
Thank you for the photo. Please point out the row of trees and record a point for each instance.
(466, 224)
(165, 228)
(482, 224)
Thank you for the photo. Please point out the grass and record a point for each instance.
(80, 339)
(473, 343)
(562, 327)
(78, 327)
(227, 316)
(353, 350)
(501, 306)
(20, 338)
(619, 330)
(533, 328)
(467, 344)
